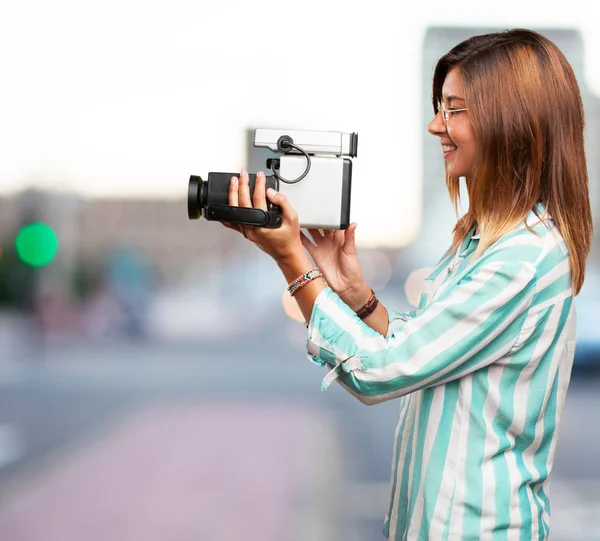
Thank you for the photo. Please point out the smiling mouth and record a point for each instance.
(448, 149)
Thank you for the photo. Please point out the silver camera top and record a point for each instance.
(312, 142)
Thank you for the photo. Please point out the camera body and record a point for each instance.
(311, 172)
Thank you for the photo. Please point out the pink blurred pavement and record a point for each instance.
(229, 471)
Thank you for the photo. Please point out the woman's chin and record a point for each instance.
(455, 172)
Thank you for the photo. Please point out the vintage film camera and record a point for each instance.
(311, 171)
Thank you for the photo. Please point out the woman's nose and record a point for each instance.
(437, 126)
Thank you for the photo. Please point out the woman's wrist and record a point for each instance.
(297, 266)
(297, 263)
(294, 265)
(357, 297)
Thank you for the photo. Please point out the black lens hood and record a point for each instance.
(194, 206)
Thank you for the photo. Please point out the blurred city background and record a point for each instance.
(153, 377)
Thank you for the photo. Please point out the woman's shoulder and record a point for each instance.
(536, 240)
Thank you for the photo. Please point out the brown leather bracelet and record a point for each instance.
(369, 307)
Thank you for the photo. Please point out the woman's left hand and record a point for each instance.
(280, 243)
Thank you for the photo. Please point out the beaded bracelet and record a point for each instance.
(302, 280)
(369, 306)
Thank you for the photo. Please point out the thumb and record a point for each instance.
(281, 200)
(350, 239)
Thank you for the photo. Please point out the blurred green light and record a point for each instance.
(36, 244)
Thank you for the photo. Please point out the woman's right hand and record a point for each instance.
(335, 254)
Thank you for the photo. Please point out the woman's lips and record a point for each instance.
(448, 149)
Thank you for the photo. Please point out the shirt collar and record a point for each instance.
(465, 246)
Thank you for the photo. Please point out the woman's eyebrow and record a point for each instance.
(451, 98)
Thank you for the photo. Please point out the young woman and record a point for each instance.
(483, 364)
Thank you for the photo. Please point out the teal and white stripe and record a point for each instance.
(481, 369)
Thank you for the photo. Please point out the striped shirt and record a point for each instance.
(481, 369)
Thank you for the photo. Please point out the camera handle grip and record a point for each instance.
(243, 216)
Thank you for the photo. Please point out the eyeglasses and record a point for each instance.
(448, 114)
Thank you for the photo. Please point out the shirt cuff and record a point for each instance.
(331, 319)
(325, 295)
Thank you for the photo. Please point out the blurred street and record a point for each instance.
(159, 441)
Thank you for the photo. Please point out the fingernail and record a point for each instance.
(244, 172)
(260, 174)
(271, 192)
(233, 180)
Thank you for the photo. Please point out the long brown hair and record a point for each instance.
(525, 107)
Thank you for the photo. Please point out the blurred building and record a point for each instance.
(131, 267)
(90, 230)
(158, 229)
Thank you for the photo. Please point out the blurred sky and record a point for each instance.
(129, 98)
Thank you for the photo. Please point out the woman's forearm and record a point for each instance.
(299, 263)
(293, 267)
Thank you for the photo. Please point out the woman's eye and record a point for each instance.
(454, 112)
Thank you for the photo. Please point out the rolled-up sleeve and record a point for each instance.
(473, 324)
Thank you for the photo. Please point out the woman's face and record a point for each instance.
(457, 137)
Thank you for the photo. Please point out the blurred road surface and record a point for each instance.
(180, 441)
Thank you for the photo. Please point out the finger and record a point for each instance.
(349, 238)
(233, 192)
(244, 190)
(259, 199)
(288, 211)
(307, 243)
(308, 236)
(234, 227)
(320, 233)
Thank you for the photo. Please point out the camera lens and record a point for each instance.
(196, 197)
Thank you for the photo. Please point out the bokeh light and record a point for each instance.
(36, 244)
(291, 307)
(415, 283)
(376, 267)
